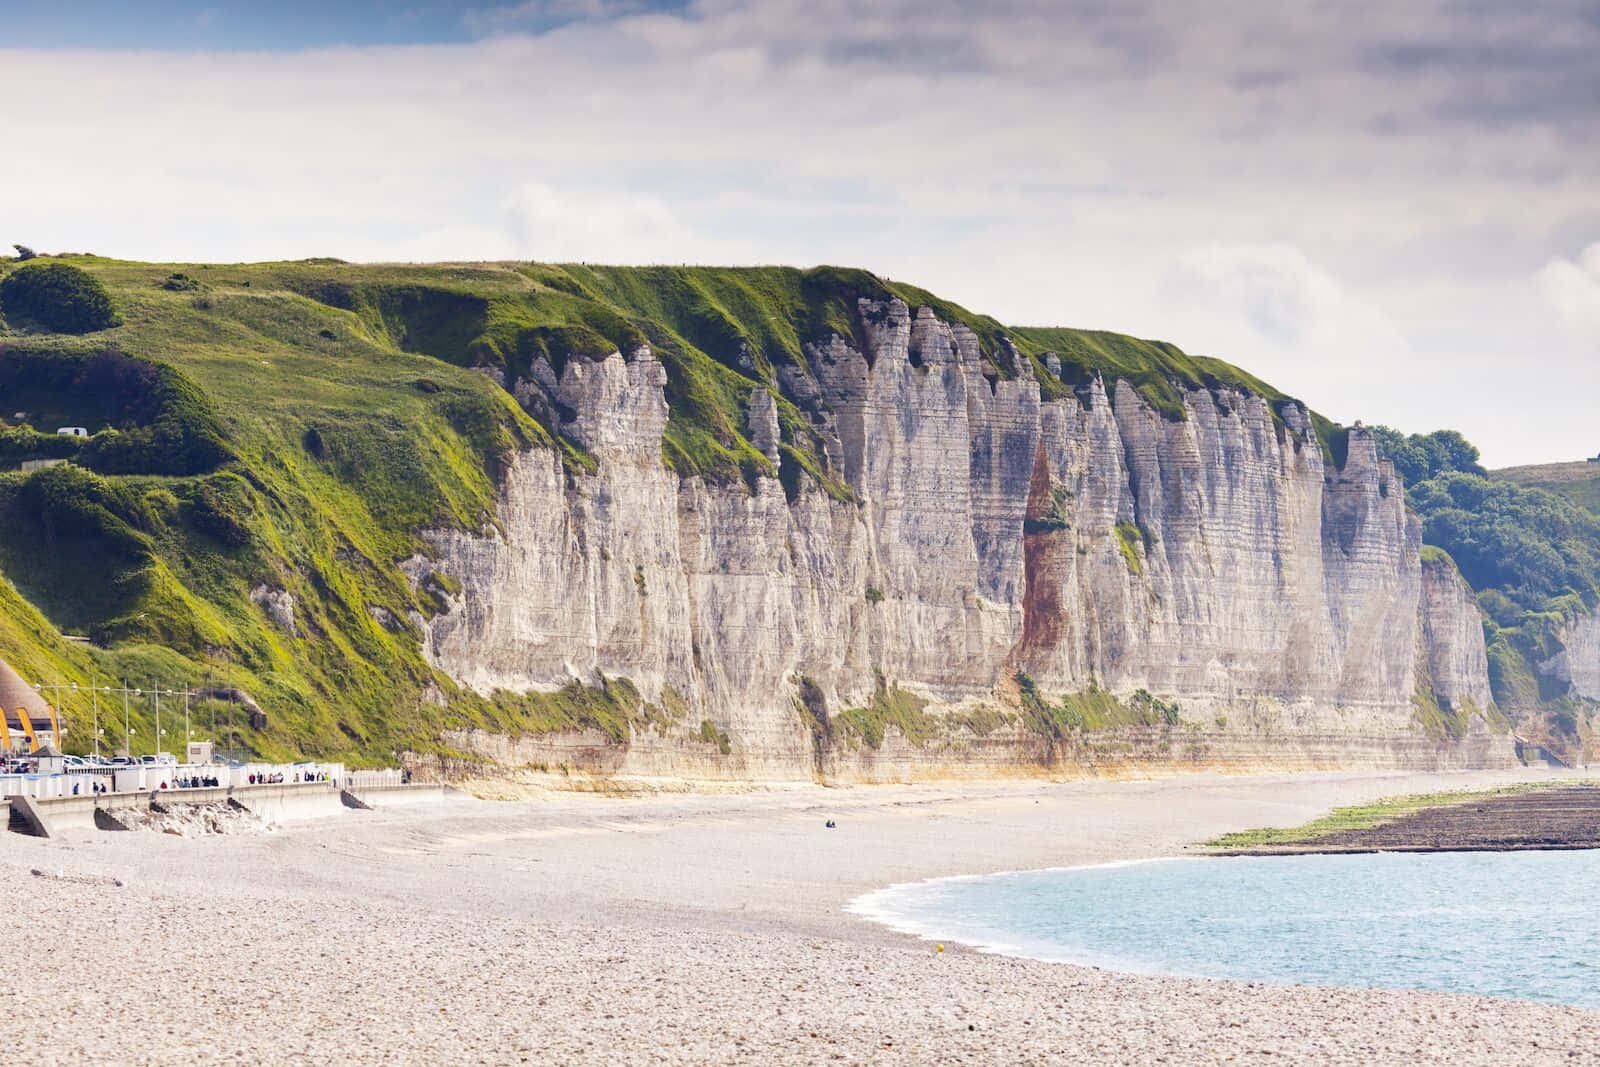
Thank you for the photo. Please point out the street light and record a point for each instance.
(156, 692)
(40, 687)
(127, 729)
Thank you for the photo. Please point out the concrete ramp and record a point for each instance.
(26, 818)
(288, 801)
(49, 817)
(393, 796)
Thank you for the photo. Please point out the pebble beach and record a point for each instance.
(675, 928)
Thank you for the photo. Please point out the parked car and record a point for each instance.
(159, 759)
(74, 761)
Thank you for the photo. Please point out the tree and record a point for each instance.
(1422, 456)
(24, 252)
(58, 297)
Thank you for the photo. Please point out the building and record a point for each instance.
(30, 722)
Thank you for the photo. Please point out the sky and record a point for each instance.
(1389, 210)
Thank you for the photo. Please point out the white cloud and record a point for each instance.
(601, 226)
(1572, 291)
(1294, 190)
(1286, 318)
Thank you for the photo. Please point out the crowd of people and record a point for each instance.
(277, 778)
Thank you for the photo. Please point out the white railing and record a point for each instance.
(367, 779)
(152, 777)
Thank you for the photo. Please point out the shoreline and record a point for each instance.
(1562, 815)
(686, 928)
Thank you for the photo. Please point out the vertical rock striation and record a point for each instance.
(1216, 562)
(1577, 664)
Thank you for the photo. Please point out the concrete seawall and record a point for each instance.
(391, 796)
(273, 804)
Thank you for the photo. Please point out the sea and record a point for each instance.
(1506, 924)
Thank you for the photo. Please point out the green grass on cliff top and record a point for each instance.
(355, 413)
(1578, 482)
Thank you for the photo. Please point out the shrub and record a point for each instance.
(59, 297)
(178, 282)
(218, 508)
(24, 252)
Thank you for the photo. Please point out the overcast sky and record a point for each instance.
(1390, 209)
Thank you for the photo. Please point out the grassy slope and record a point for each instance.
(346, 394)
(1578, 482)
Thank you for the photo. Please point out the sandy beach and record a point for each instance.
(676, 928)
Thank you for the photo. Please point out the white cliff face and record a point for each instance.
(1215, 561)
(1578, 662)
(1452, 638)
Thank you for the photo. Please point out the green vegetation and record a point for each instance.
(812, 707)
(1160, 372)
(890, 705)
(713, 736)
(294, 427)
(1434, 556)
(1367, 816)
(1056, 518)
(613, 707)
(150, 419)
(1444, 722)
(1091, 711)
(56, 298)
(1131, 541)
(179, 282)
(1422, 456)
(1533, 557)
(1531, 553)
(1578, 482)
(234, 446)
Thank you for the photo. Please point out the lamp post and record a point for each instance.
(127, 729)
(156, 693)
(40, 687)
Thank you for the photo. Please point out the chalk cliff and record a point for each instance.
(994, 548)
(1577, 664)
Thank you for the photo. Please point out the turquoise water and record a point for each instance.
(1515, 924)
